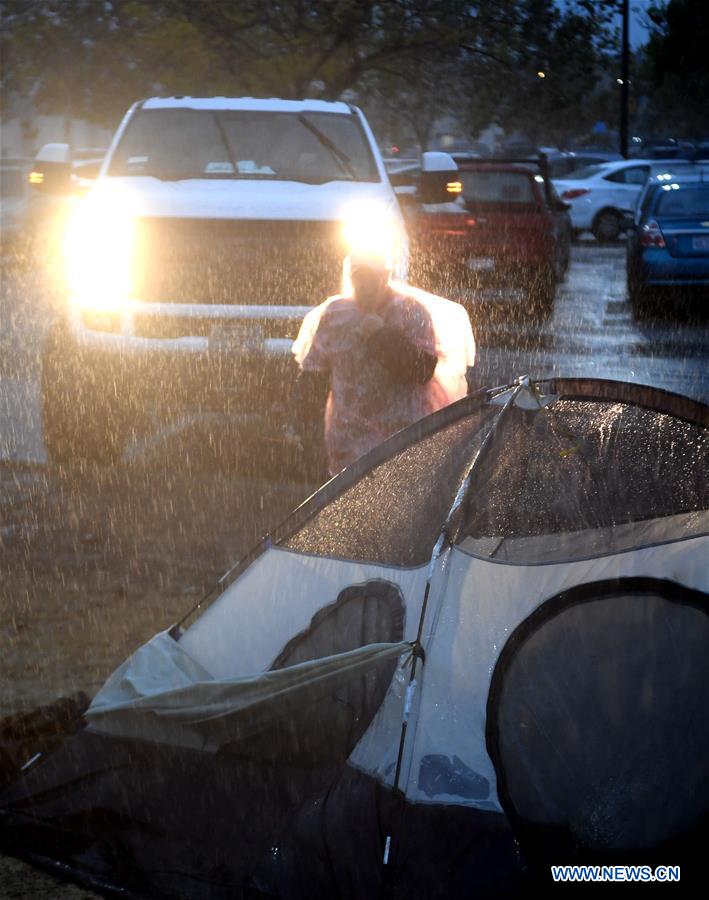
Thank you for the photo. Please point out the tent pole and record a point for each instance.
(444, 539)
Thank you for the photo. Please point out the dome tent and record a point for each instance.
(492, 629)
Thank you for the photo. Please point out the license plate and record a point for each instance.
(481, 263)
(700, 243)
(236, 338)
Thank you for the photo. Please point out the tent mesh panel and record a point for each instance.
(587, 465)
(598, 721)
(394, 513)
(324, 729)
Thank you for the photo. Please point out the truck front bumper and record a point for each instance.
(173, 358)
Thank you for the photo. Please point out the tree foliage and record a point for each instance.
(95, 56)
(677, 69)
(414, 60)
(548, 77)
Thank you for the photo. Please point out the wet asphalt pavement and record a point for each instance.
(594, 334)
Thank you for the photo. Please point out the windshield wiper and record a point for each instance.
(225, 139)
(340, 155)
(303, 179)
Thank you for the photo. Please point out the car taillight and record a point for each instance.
(650, 235)
(573, 193)
(456, 229)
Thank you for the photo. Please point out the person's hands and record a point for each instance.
(369, 324)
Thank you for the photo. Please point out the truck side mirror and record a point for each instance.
(51, 171)
(439, 178)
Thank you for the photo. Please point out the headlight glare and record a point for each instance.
(99, 251)
(372, 230)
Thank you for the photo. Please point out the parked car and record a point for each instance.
(46, 210)
(661, 175)
(213, 226)
(671, 150)
(668, 249)
(599, 194)
(563, 163)
(505, 228)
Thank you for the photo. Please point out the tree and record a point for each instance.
(676, 69)
(547, 76)
(418, 59)
(95, 56)
(53, 53)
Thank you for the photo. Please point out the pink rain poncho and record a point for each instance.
(365, 404)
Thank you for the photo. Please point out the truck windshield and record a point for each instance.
(177, 144)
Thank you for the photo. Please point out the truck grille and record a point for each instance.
(224, 261)
(170, 327)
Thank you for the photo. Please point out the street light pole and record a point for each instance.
(624, 86)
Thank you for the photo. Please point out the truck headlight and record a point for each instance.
(99, 251)
(372, 230)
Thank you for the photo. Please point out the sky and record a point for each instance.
(638, 34)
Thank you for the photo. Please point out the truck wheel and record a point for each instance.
(79, 424)
(606, 226)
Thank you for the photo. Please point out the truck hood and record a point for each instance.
(242, 199)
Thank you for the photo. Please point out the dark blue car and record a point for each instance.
(668, 250)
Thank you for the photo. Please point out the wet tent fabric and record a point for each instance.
(186, 706)
(572, 748)
(574, 486)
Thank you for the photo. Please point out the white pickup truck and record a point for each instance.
(211, 229)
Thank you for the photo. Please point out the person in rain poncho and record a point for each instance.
(389, 354)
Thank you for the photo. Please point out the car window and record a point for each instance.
(683, 202)
(586, 172)
(636, 174)
(647, 198)
(560, 168)
(497, 188)
(632, 175)
(590, 161)
(187, 143)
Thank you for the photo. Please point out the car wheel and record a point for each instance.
(542, 293)
(566, 257)
(80, 425)
(607, 225)
(561, 262)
